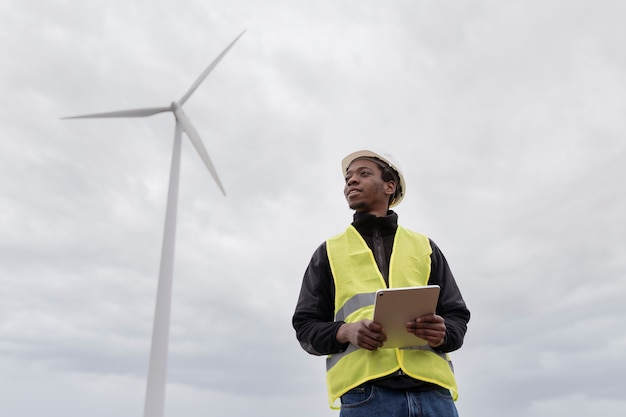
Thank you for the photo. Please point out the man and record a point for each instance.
(334, 310)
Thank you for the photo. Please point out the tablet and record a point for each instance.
(393, 307)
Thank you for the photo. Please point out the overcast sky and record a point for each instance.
(508, 119)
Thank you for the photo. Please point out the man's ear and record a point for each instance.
(390, 187)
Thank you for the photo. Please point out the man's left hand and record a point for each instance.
(431, 328)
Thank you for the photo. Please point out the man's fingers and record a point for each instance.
(430, 318)
(375, 327)
(370, 343)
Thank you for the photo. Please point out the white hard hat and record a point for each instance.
(385, 159)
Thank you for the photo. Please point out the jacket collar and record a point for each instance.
(367, 223)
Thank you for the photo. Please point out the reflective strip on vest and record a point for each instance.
(332, 360)
(357, 278)
(353, 304)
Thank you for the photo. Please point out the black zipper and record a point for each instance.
(379, 254)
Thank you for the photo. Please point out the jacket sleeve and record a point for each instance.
(313, 319)
(451, 305)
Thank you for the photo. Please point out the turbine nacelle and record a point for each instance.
(182, 121)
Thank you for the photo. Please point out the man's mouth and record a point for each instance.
(352, 192)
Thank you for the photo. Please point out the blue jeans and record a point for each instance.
(372, 401)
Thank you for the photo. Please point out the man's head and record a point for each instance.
(374, 183)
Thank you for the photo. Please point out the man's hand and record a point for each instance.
(365, 334)
(431, 328)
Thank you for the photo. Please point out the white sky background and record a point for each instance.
(507, 117)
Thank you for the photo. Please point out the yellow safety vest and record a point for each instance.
(357, 278)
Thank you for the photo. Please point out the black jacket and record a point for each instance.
(313, 319)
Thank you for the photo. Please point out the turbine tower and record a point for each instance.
(155, 390)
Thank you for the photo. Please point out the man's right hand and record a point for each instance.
(365, 334)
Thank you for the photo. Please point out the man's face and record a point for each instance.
(365, 190)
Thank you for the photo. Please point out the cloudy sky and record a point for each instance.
(507, 118)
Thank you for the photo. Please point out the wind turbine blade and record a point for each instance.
(124, 113)
(208, 70)
(197, 143)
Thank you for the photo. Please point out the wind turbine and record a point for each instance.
(155, 390)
